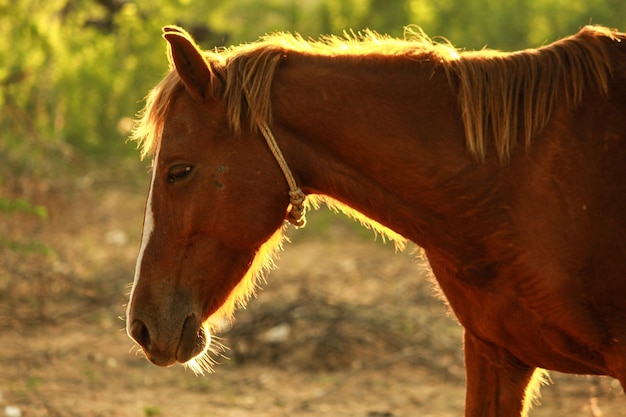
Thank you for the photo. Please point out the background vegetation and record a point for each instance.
(73, 72)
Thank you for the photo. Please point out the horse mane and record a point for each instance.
(498, 92)
(243, 74)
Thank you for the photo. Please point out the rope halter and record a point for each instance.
(296, 212)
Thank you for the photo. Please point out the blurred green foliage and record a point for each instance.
(14, 206)
(19, 205)
(73, 72)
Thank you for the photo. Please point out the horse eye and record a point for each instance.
(178, 172)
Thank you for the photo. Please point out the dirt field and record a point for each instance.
(344, 327)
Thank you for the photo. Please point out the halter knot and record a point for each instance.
(296, 212)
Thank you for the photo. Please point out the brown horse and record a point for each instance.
(508, 169)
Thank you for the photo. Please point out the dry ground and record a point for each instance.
(344, 327)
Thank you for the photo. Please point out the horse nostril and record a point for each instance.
(139, 332)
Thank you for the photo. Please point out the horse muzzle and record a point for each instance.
(167, 348)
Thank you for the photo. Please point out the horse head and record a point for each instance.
(202, 230)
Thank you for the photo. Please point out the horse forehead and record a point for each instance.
(182, 135)
(189, 120)
(183, 118)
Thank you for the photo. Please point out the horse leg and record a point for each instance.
(496, 381)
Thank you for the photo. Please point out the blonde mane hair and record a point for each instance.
(497, 91)
(243, 74)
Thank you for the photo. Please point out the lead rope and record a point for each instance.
(296, 212)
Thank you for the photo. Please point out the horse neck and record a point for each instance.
(382, 136)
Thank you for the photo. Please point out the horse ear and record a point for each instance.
(188, 61)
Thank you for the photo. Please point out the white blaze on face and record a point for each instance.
(148, 227)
